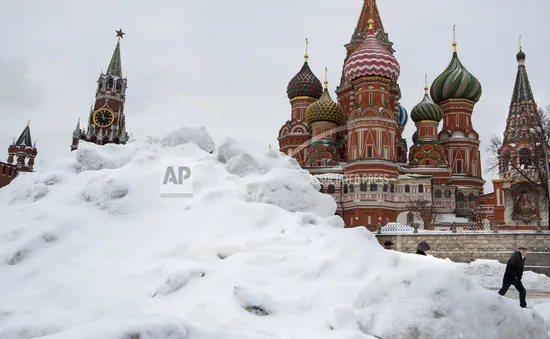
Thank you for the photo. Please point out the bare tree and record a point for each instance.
(423, 210)
(535, 171)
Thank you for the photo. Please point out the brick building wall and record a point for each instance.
(7, 174)
(469, 247)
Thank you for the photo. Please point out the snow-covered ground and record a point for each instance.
(90, 250)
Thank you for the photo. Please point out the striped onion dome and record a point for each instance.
(415, 137)
(456, 82)
(304, 84)
(426, 110)
(371, 58)
(403, 116)
(325, 109)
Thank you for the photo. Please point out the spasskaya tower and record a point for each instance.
(107, 120)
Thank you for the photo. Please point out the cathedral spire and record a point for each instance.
(522, 87)
(115, 66)
(369, 12)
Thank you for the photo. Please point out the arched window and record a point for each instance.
(373, 187)
(385, 187)
(407, 189)
(460, 196)
(447, 194)
(438, 194)
(392, 188)
(363, 187)
(370, 98)
(322, 190)
(110, 84)
(420, 188)
(331, 189)
(471, 197)
(524, 157)
(346, 189)
(351, 188)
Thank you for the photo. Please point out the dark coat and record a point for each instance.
(420, 252)
(514, 268)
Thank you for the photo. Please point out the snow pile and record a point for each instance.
(489, 274)
(89, 250)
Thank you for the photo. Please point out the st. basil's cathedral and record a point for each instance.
(355, 146)
(356, 149)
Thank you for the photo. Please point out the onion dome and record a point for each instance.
(426, 110)
(521, 55)
(415, 137)
(403, 116)
(305, 83)
(371, 58)
(325, 109)
(456, 82)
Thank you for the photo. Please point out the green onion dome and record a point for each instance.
(426, 110)
(520, 55)
(325, 109)
(304, 84)
(456, 82)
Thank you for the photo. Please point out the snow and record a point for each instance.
(489, 273)
(90, 250)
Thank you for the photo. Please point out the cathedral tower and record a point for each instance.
(371, 104)
(456, 91)
(107, 119)
(324, 116)
(302, 90)
(516, 200)
(426, 151)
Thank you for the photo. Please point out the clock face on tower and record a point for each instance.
(103, 117)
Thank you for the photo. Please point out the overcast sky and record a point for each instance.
(226, 64)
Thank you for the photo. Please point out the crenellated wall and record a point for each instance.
(7, 174)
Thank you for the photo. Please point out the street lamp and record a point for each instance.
(538, 132)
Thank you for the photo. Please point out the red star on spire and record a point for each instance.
(119, 33)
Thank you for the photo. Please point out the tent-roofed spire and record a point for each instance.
(370, 12)
(115, 66)
(522, 87)
(25, 137)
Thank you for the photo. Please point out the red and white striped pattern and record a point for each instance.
(371, 58)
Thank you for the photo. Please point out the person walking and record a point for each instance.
(423, 248)
(513, 275)
(388, 245)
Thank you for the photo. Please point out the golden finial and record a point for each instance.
(28, 122)
(454, 38)
(326, 77)
(371, 24)
(520, 48)
(306, 56)
(426, 83)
